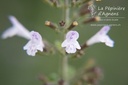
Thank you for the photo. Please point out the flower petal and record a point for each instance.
(27, 45)
(76, 44)
(64, 43)
(106, 39)
(31, 48)
(72, 35)
(40, 47)
(70, 48)
(31, 51)
(35, 36)
(94, 39)
(110, 43)
(10, 32)
(104, 30)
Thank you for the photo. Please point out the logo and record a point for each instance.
(92, 8)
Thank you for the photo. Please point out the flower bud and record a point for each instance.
(96, 18)
(50, 24)
(74, 23)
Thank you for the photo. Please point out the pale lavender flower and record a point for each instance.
(16, 29)
(34, 44)
(101, 36)
(70, 43)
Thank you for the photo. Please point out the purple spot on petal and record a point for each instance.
(72, 35)
(34, 36)
(104, 30)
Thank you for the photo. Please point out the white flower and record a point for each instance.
(70, 43)
(34, 44)
(16, 29)
(102, 37)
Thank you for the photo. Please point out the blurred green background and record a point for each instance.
(17, 68)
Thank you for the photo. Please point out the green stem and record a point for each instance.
(64, 63)
(65, 70)
(66, 11)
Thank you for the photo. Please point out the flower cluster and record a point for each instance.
(70, 43)
(92, 73)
